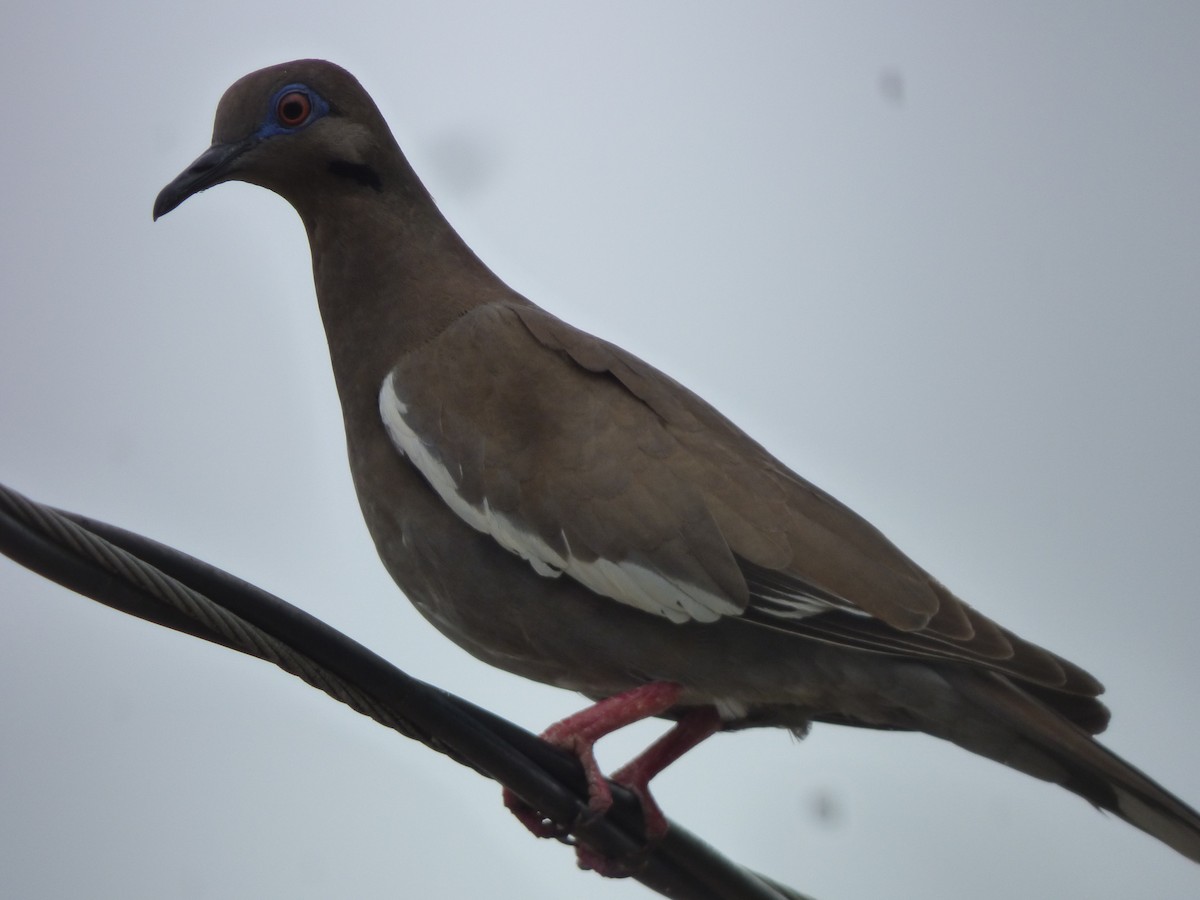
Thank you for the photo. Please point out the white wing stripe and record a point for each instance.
(623, 580)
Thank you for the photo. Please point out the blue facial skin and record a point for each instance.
(272, 126)
(212, 165)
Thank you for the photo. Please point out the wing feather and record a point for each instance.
(584, 460)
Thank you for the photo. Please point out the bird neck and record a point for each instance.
(391, 274)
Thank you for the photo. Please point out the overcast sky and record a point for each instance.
(942, 261)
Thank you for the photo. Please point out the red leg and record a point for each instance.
(579, 732)
(694, 727)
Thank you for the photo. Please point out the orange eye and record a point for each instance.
(293, 109)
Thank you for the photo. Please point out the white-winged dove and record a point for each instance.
(565, 511)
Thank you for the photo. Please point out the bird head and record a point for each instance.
(296, 129)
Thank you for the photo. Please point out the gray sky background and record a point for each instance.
(941, 259)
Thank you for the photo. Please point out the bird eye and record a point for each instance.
(293, 108)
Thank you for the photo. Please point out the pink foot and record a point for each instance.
(578, 734)
(693, 727)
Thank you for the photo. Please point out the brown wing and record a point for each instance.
(833, 552)
(583, 458)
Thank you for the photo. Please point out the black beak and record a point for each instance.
(210, 168)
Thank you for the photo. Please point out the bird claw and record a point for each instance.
(579, 733)
(585, 857)
(654, 821)
(654, 827)
(535, 823)
(613, 867)
(599, 802)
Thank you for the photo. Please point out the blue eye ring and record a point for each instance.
(293, 109)
(294, 106)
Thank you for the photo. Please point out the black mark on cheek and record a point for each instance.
(364, 175)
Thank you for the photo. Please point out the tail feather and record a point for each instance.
(1021, 731)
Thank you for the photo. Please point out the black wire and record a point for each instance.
(550, 780)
